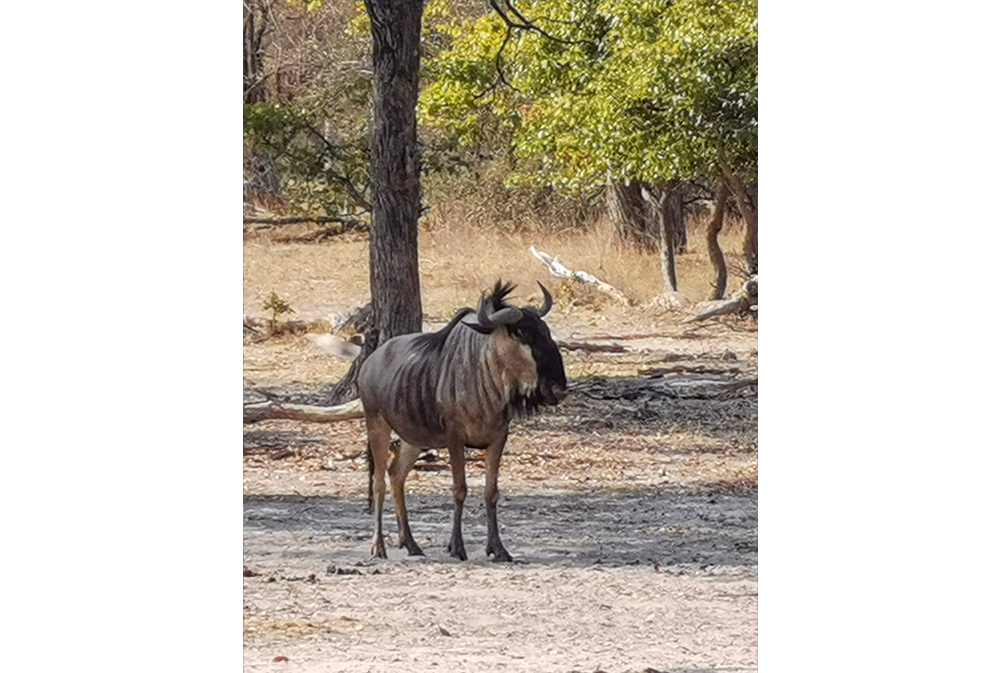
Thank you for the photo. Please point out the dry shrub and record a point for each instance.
(479, 196)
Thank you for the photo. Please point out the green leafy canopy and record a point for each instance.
(619, 90)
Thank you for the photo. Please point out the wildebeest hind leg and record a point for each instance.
(456, 455)
(378, 444)
(405, 459)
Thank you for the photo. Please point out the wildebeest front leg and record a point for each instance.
(405, 459)
(378, 442)
(456, 455)
(494, 547)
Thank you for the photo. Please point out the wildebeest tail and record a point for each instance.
(371, 475)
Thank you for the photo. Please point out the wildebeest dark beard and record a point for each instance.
(525, 405)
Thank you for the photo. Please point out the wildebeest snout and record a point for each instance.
(553, 393)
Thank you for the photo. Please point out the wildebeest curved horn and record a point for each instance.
(505, 316)
(546, 302)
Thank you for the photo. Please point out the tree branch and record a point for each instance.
(334, 152)
(528, 25)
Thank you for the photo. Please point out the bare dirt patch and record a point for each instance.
(630, 509)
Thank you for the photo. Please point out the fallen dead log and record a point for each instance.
(303, 219)
(736, 386)
(559, 270)
(591, 347)
(329, 226)
(270, 411)
(682, 369)
(745, 301)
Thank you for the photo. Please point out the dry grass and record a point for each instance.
(459, 260)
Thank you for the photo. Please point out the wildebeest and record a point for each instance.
(457, 388)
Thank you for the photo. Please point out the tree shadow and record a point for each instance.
(696, 404)
(642, 404)
(672, 528)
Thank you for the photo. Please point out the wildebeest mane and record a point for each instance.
(433, 342)
(498, 297)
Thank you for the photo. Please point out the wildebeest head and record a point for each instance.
(526, 328)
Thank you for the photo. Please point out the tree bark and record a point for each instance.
(394, 269)
(395, 170)
(632, 221)
(714, 249)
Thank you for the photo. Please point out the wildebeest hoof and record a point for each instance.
(412, 548)
(457, 552)
(378, 550)
(499, 555)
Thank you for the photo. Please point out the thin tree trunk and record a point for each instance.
(394, 270)
(665, 204)
(748, 210)
(262, 181)
(661, 198)
(667, 259)
(714, 249)
(680, 226)
(255, 16)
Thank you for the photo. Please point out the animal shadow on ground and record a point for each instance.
(672, 527)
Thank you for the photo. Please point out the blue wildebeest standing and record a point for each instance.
(457, 388)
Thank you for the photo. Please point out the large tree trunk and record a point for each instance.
(395, 170)
(394, 270)
(634, 224)
(714, 249)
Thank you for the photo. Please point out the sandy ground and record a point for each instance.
(630, 510)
